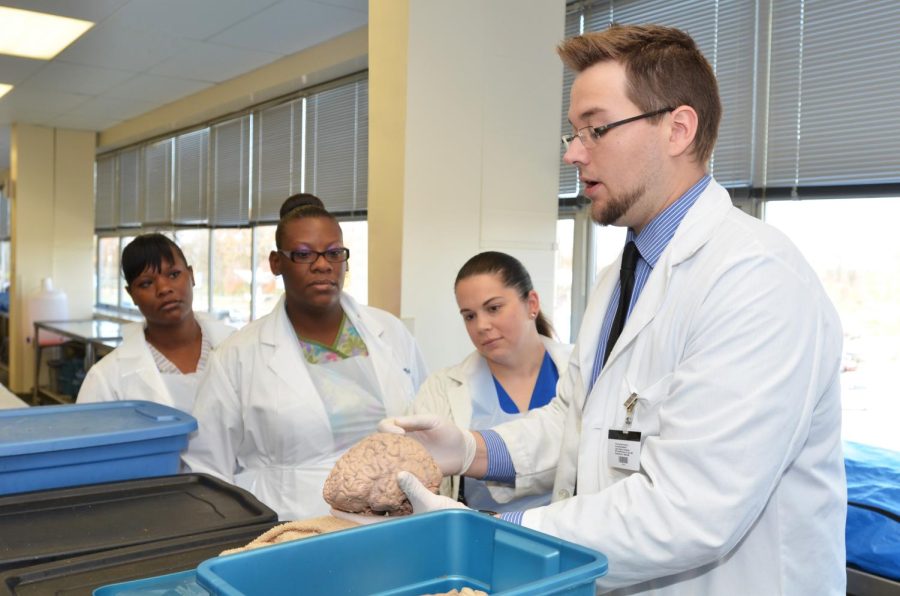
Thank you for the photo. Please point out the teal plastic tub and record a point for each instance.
(76, 444)
(183, 583)
(420, 554)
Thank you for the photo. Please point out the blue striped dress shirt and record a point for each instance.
(651, 243)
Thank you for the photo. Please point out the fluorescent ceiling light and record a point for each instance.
(4, 89)
(37, 34)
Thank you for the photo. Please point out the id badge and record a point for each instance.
(624, 450)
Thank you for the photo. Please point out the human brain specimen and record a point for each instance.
(364, 479)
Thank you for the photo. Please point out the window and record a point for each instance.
(356, 238)
(195, 246)
(851, 244)
(268, 288)
(108, 271)
(4, 264)
(216, 191)
(231, 274)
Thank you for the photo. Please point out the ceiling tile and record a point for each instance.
(75, 78)
(357, 5)
(83, 122)
(88, 10)
(291, 26)
(26, 114)
(212, 62)
(24, 99)
(155, 88)
(15, 70)
(111, 107)
(197, 19)
(122, 48)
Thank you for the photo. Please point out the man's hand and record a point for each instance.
(422, 499)
(451, 447)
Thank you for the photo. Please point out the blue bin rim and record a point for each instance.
(207, 577)
(145, 584)
(161, 421)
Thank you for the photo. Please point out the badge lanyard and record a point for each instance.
(624, 446)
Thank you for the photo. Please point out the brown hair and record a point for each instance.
(513, 275)
(664, 68)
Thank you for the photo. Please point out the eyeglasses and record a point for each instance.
(332, 255)
(590, 134)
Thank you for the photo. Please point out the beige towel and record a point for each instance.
(295, 530)
(463, 592)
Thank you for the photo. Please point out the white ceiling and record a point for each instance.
(142, 54)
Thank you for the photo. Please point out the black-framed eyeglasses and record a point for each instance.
(332, 255)
(590, 134)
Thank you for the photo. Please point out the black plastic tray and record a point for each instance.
(44, 526)
(77, 576)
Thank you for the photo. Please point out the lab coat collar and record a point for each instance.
(476, 364)
(695, 230)
(278, 332)
(137, 361)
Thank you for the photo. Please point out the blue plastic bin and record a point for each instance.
(420, 554)
(183, 583)
(70, 445)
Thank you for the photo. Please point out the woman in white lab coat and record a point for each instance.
(163, 359)
(290, 392)
(514, 368)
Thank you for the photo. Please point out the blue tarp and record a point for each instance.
(873, 512)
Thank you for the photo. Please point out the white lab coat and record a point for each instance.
(129, 371)
(449, 393)
(733, 349)
(262, 422)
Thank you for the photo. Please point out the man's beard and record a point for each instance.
(617, 206)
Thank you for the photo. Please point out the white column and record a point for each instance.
(478, 122)
(52, 226)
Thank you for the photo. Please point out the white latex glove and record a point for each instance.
(422, 499)
(451, 447)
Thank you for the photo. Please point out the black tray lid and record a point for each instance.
(43, 526)
(80, 576)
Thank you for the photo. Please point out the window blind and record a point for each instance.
(191, 177)
(229, 159)
(276, 158)
(568, 175)
(129, 188)
(157, 204)
(725, 31)
(106, 205)
(834, 91)
(239, 172)
(336, 147)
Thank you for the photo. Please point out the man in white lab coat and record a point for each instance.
(701, 452)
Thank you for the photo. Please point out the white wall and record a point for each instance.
(482, 158)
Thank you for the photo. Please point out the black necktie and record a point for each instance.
(626, 285)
